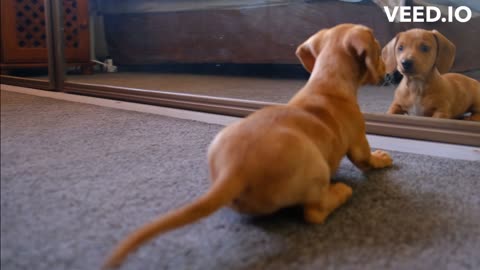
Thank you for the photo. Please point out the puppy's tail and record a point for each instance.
(220, 194)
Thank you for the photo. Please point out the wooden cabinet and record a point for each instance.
(23, 34)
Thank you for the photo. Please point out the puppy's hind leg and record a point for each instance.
(474, 117)
(475, 110)
(322, 197)
(333, 197)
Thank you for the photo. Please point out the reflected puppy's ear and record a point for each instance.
(308, 51)
(446, 52)
(362, 43)
(388, 56)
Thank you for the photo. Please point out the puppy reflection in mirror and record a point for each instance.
(422, 57)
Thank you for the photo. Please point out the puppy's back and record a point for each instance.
(465, 92)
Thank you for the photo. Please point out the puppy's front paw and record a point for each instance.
(380, 159)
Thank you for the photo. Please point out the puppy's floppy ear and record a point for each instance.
(305, 55)
(308, 51)
(446, 52)
(364, 45)
(388, 56)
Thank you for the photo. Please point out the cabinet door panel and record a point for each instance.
(23, 31)
(77, 37)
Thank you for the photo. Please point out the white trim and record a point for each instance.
(443, 150)
(387, 143)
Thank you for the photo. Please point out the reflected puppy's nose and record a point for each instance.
(407, 64)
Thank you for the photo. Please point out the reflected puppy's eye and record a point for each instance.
(424, 48)
(400, 48)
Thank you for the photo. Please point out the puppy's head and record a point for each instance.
(416, 52)
(356, 41)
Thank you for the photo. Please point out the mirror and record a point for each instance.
(237, 49)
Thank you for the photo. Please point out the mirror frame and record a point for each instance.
(420, 128)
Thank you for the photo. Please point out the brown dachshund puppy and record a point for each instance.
(421, 56)
(285, 155)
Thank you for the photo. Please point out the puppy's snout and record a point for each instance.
(407, 65)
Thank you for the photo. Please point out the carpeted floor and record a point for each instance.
(75, 178)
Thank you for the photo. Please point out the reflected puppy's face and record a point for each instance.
(417, 52)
